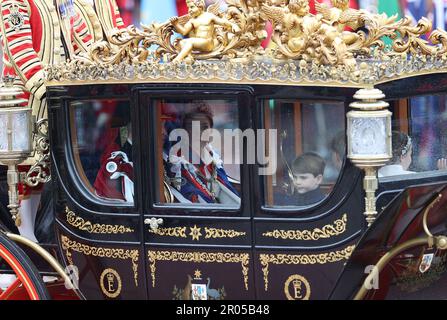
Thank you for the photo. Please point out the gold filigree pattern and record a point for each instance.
(327, 231)
(195, 233)
(199, 257)
(304, 259)
(215, 233)
(112, 253)
(89, 227)
(177, 232)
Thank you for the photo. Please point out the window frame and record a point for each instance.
(297, 212)
(146, 98)
(74, 168)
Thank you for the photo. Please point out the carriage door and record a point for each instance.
(197, 228)
(308, 215)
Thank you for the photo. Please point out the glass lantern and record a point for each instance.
(16, 131)
(369, 141)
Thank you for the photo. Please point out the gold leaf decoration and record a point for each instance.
(225, 46)
(215, 233)
(301, 259)
(177, 232)
(112, 253)
(199, 257)
(327, 231)
(195, 233)
(89, 227)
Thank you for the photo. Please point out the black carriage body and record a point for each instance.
(117, 255)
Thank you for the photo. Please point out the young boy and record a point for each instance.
(308, 170)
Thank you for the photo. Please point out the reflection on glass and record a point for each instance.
(103, 148)
(311, 148)
(195, 170)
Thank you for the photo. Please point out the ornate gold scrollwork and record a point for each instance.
(84, 225)
(39, 171)
(177, 232)
(222, 233)
(112, 253)
(309, 48)
(195, 233)
(304, 259)
(199, 257)
(327, 231)
(210, 34)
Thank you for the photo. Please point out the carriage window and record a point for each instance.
(419, 139)
(102, 147)
(196, 165)
(310, 148)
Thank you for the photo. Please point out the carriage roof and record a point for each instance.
(146, 55)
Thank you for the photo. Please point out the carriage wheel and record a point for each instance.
(28, 283)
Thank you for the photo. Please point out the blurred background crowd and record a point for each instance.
(147, 11)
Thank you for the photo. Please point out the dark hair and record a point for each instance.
(338, 144)
(401, 145)
(201, 108)
(309, 162)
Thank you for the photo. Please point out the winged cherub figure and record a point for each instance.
(200, 28)
(341, 16)
(294, 22)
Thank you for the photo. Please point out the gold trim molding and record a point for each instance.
(199, 257)
(89, 227)
(298, 259)
(112, 253)
(195, 233)
(331, 230)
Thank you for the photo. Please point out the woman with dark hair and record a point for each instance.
(402, 152)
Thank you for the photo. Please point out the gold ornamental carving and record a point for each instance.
(196, 232)
(89, 227)
(224, 46)
(177, 232)
(214, 233)
(331, 230)
(298, 259)
(199, 257)
(113, 253)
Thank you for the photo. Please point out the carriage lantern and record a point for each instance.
(369, 141)
(15, 138)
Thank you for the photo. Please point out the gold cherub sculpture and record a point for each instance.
(341, 16)
(200, 28)
(294, 23)
(302, 35)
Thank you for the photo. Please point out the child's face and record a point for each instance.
(305, 182)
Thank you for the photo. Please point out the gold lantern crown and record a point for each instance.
(306, 48)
